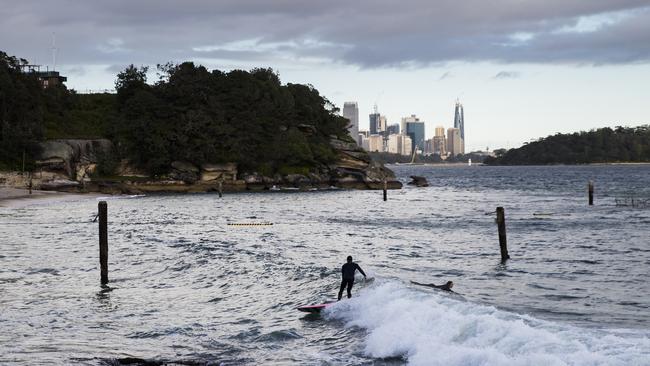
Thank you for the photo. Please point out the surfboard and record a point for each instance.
(314, 308)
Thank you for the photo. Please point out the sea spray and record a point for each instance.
(429, 327)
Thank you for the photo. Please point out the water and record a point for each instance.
(186, 287)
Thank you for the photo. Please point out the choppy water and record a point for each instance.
(186, 287)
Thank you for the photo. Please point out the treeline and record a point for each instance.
(201, 116)
(22, 107)
(604, 145)
(189, 114)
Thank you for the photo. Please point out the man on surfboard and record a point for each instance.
(446, 287)
(347, 274)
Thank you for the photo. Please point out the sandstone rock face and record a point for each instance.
(67, 155)
(219, 172)
(68, 164)
(354, 169)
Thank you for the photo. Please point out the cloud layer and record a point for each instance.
(365, 33)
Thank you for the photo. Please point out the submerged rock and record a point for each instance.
(418, 181)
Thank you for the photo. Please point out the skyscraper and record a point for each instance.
(351, 112)
(453, 141)
(374, 123)
(414, 128)
(392, 129)
(440, 142)
(459, 123)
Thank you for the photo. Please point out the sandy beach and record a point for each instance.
(14, 197)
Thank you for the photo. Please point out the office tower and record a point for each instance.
(414, 128)
(374, 123)
(362, 134)
(392, 129)
(383, 124)
(398, 144)
(351, 112)
(453, 141)
(439, 141)
(407, 145)
(376, 143)
(459, 123)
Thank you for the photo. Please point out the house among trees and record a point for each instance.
(47, 78)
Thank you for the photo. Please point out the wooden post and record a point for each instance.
(30, 185)
(591, 193)
(103, 241)
(23, 172)
(220, 188)
(501, 223)
(385, 190)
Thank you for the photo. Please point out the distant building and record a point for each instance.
(392, 129)
(351, 112)
(376, 143)
(454, 141)
(439, 145)
(439, 141)
(383, 125)
(414, 128)
(363, 134)
(374, 123)
(459, 123)
(47, 78)
(365, 142)
(399, 144)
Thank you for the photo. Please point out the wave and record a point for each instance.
(431, 328)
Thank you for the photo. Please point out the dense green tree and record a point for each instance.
(604, 145)
(21, 112)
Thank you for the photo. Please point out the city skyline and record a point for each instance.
(526, 69)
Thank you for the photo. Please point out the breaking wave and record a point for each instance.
(434, 328)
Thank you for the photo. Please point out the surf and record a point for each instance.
(427, 327)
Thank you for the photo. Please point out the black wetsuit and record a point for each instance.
(347, 273)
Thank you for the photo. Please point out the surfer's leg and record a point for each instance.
(350, 283)
(341, 289)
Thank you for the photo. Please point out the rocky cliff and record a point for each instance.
(71, 165)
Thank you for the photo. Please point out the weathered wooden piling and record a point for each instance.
(103, 241)
(501, 224)
(385, 190)
(591, 193)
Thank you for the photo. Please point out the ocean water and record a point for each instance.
(186, 287)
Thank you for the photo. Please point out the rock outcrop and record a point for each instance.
(67, 165)
(418, 181)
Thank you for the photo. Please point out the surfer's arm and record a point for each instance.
(361, 270)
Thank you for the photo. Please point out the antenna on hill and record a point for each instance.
(54, 51)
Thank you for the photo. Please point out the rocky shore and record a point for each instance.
(71, 166)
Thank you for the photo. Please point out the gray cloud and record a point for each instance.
(507, 75)
(366, 33)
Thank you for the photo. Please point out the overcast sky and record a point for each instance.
(522, 69)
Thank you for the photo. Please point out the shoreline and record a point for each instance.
(18, 197)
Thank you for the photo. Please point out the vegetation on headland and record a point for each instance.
(189, 114)
(604, 145)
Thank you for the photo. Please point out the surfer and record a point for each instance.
(347, 274)
(446, 287)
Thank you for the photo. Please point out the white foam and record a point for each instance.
(427, 328)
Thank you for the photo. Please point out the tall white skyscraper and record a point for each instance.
(351, 112)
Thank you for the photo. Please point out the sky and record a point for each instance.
(522, 69)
